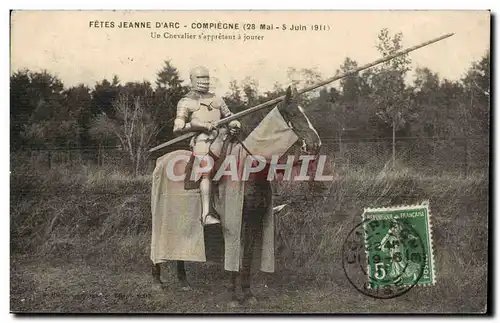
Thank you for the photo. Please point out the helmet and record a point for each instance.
(200, 79)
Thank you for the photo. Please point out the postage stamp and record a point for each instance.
(398, 245)
(390, 251)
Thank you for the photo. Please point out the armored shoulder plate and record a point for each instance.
(217, 102)
(185, 107)
(189, 104)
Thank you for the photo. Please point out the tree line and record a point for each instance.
(138, 115)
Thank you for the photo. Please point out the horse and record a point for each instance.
(257, 200)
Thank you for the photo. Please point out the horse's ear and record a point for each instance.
(295, 93)
(288, 94)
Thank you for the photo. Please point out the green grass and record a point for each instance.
(86, 229)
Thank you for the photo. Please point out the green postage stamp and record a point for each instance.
(398, 246)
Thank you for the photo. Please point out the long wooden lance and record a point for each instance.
(304, 90)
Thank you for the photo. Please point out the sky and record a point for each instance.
(66, 44)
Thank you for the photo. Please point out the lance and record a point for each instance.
(304, 90)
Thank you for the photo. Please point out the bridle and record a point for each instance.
(303, 146)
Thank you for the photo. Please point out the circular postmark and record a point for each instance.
(383, 258)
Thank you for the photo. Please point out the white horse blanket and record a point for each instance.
(177, 233)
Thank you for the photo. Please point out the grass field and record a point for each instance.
(80, 243)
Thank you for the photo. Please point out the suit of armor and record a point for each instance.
(198, 111)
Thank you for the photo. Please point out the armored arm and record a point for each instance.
(198, 125)
(224, 109)
(181, 117)
(225, 112)
(194, 125)
(181, 124)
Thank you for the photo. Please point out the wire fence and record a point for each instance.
(427, 155)
(421, 154)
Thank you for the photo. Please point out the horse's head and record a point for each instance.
(284, 136)
(296, 119)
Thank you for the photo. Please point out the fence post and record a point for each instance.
(466, 158)
(99, 157)
(50, 158)
(341, 152)
(434, 156)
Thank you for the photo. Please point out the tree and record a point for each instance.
(427, 104)
(169, 90)
(79, 102)
(477, 86)
(476, 110)
(233, 98)
(168, 77)
(277, 91)
(39, 114)
(351, 84)
(390, 95)
(103, 95)
(132, 126)
(52, 125)
(20, 106)
(302, 78)
(250, 87)
(456, 112)
(350, 111)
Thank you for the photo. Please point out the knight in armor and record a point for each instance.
(198, 111)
